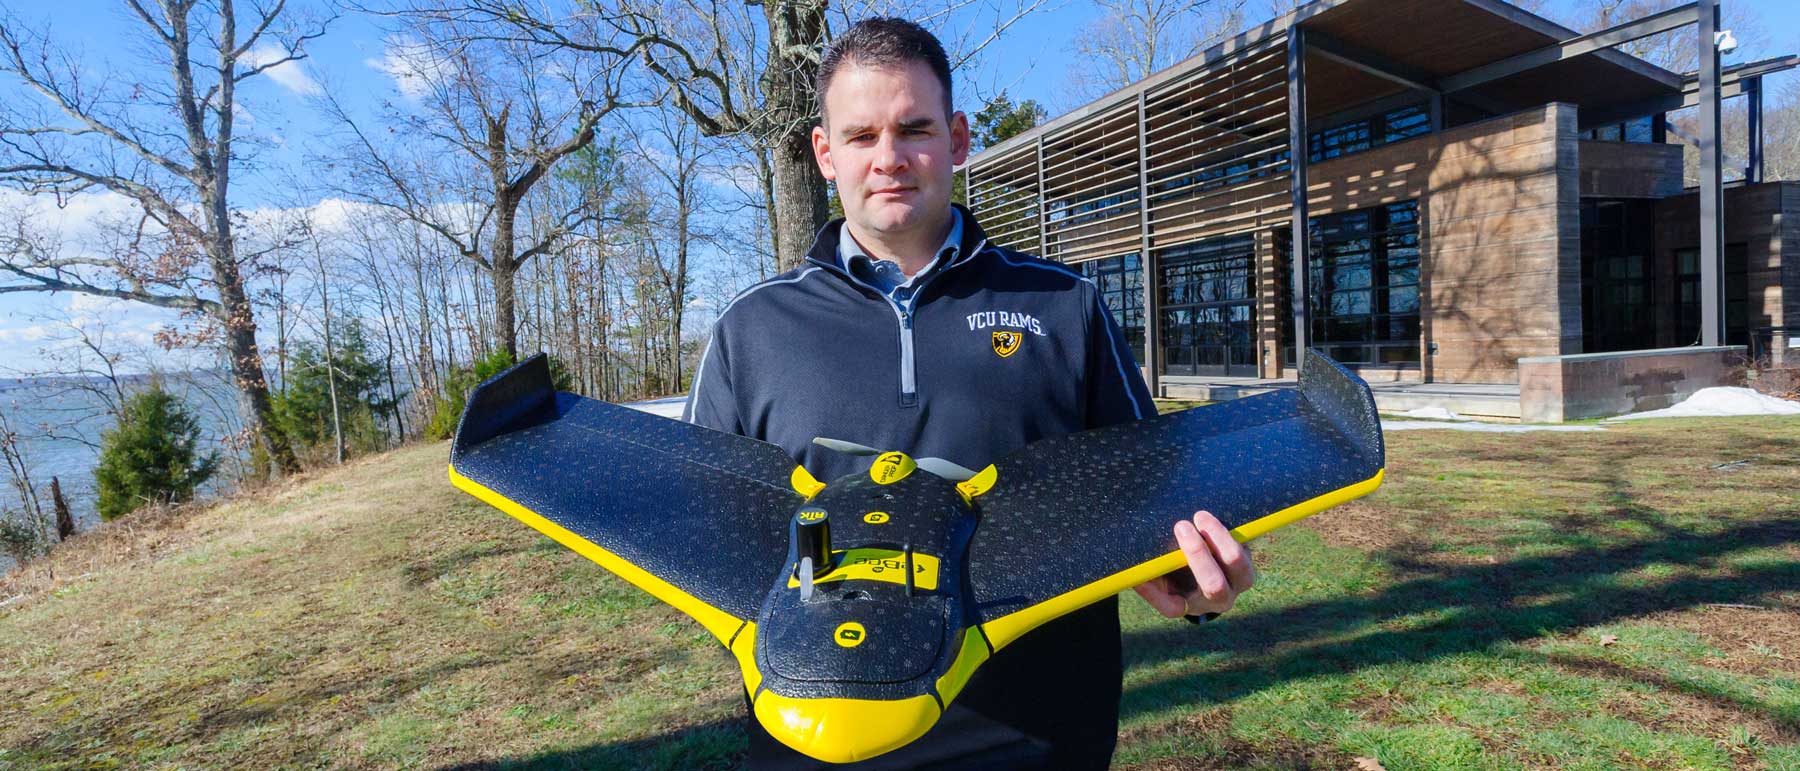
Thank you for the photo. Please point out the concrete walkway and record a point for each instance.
(1480, 400)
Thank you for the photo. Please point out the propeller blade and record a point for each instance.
(944, 469)
(848, 448)
(936, 466)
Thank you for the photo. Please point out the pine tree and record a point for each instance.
(150, 456)
(303, 407)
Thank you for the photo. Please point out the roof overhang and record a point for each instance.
(1426, 41)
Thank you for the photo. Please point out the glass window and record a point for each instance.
(1616, 282)
(1737, 295)
(1208, 298)
(1374, 131)
(1639, 130)
(1121, 284)
(1364, 285)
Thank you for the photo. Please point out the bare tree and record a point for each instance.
(500, 114)
(683, 194)
(1675, 50)
(1134, 38)
(737, 70)
(1781, 134)
(169, 148)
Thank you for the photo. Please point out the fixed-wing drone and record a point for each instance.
(858, 609)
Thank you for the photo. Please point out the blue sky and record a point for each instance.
(1030, 61)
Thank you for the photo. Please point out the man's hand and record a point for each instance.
(1219, 569)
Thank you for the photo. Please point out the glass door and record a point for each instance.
(1208, 314)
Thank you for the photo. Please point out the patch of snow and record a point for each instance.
(1431, 413)
(1470, 425)
(1721, 402)
(669, 407)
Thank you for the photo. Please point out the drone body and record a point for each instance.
(857, 610)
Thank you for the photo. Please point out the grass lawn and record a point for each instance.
(1626, 599)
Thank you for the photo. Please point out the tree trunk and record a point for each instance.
(504, 300)
(337, 414)
(795, 26)
(246, 364)
(765, 177)
(65, 522)
(800, 204)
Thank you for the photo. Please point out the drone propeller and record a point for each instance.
(936, 466)
(847, 448)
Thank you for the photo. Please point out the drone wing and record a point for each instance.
(1072, 520)
(677, 509)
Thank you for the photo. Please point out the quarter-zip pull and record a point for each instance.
(903, 313)
(909, 387)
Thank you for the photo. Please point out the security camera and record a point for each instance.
(1725, 42)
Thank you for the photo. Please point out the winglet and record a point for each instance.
(498, 404)
(1346, 402)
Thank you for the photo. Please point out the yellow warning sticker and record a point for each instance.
(876, 517)
(849, 634)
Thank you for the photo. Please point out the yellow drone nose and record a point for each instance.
(844, 730)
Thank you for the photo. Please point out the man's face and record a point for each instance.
(890, 147)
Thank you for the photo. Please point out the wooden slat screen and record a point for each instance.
(1091, 187)
(1004, 195)
(1217, 149)
(1214, 155)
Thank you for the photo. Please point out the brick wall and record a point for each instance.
(1629, 170)
(1766, 219)
(1499, 213)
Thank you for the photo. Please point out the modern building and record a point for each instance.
(1489, 198)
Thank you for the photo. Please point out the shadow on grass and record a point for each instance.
(719, 744)
(1473, 609)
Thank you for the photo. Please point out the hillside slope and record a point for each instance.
(1619, 599)
(371, 616)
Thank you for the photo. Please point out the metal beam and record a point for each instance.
(1731, 83)
(1152, 321)
(1370, 62)
(1299, 245)
(1712, 235)
(1753, 173)
(1656, 23)
(1589, 119)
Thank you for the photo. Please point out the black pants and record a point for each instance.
(1048, 701)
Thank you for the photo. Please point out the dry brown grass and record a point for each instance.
(373, 617)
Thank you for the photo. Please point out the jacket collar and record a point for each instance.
(824, 251)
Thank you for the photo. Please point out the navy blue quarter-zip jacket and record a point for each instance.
(996, 349)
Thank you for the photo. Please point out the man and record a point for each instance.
(905, 329)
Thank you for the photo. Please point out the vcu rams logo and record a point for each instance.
(1006, 342)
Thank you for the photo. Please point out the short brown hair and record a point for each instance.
(883, 41)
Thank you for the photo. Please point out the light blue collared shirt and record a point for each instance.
(885, 275)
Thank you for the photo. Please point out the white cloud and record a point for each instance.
(289, 75)
(95, 305)
(24, 334)
(414, 68)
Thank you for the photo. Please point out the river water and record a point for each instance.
(60, 422)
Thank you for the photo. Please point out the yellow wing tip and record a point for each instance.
(1012, 626)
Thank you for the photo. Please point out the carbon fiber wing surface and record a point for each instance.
(1074, 519)
(686, 513)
